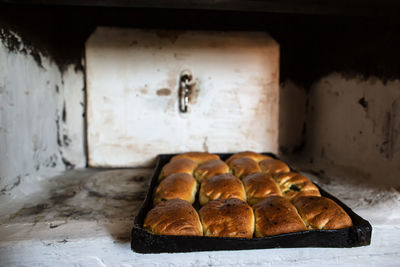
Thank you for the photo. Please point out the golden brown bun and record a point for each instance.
(210, 168)
(260, 186)
(242, 167)
(177, 185)
(222, 186)
(178, 166)
(198, 157)
(322, 213)
(173, 217)
(294, 185)
(272, 166)
(276, 215)
(227, 218)
(248, 154)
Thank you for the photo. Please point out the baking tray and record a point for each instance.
(144, 242)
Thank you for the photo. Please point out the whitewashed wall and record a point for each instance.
(351, 127)
(41, 117)
(355, 125)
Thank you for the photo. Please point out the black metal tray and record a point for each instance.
(144, 242)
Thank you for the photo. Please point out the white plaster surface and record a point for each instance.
(98, 234)
(353, 127)
(36, 140)
(133, 81)
(345, 126)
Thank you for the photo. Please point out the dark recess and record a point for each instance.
(311, 45)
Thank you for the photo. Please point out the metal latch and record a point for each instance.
(185, 89)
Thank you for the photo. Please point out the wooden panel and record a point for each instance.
(132, 94)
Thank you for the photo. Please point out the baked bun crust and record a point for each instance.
(227, 218)
(259, 186)
(173, 217)
(248, 154)
(177, 185)
(322, 213)
(222, 186)
(198, 157)
(182, 165)
(276, 215)
(241, 167)
(294, 185)
(272, 166)
(210, 168)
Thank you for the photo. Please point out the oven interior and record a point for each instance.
(339, 116)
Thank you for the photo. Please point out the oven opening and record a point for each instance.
(90, 94)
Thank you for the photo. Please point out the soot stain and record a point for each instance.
(138, 178)
(31, 210)
(136, 196)
(13, 43)
(312, 45)
(58, 131)
(9, 188)
(283, 149)
(60, 197)
(387, 147)
(68, 164)
(64, 113)
(302, 142)
(172, 36)
(299, 147)
(66, 140)
(363, 103)
(133, 43)
(51, 161)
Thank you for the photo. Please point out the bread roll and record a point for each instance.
(210, 168)
(322, 213)
(227, 218)
(198, 157)
(177, 185)
(222, 186)
(294, 185)
(241, 167)
(178, 166)
(259, 186)
(248, 154)
(276, 215)
(272, 166)
(173, 217)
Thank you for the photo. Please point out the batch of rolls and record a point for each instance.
(248, 195)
